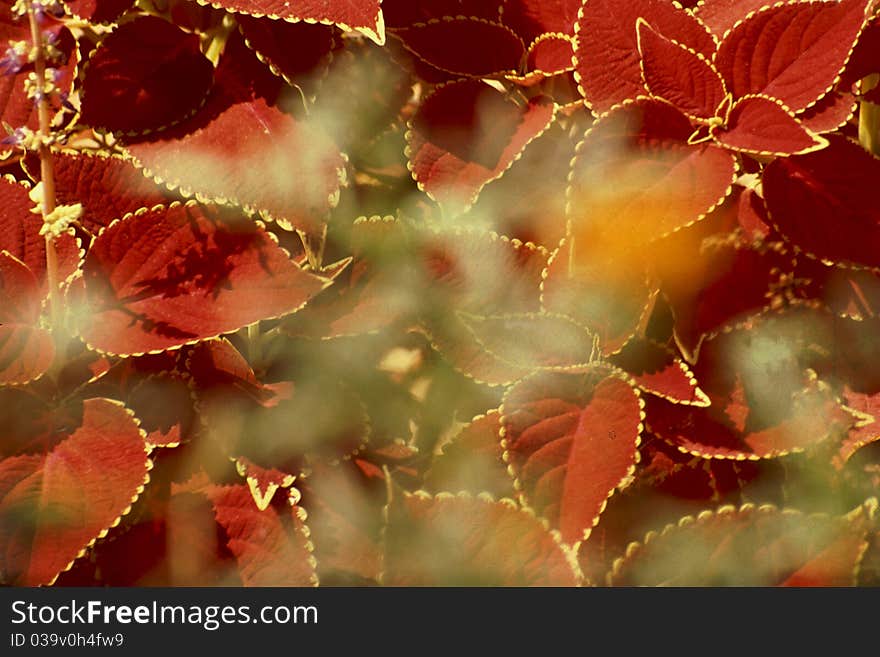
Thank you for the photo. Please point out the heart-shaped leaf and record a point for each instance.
(196, 272)
(55, 506)
(823, 203)
(572, 441)
(607, 51)
(466, 541)
(146, 75)
(794, 52)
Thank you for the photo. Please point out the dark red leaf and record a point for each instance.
(404, 13)
(271, 550)
(473, 461)
(299, 52)
(824, 203)
(240, 148)
(465, 46)
(365, 16)
(465, 541)
(129, 88)
(794, 52)
(678, 74)
(657, 370)
(55, 508)
(533, 18)
(467, 134)
(760, 125)
(164, 405)
(749, 546)
(572, 441)
(830, 113)
(606, 49)
(196, 273)
(550, 54)
(98, 11)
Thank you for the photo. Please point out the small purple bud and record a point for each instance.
(11, 62)
(14, 138)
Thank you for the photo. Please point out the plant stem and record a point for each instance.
(869, 118)
(255, 345)
(47, 167)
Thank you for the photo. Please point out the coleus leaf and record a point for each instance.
(830, 113)
(298, 52)
(55, 506)
(404, 13)
(606, 47)
(271, 549)
(822, 202)
(749, 546)
(242, 149)
(635, 179)
(865, 430)
(98, 11)
(765, 402)
(107, 186)
(164, 404)
(470, 541)
(550, 54)
(533, 341)
(721, 15)
(473, 461)
(365, 16)
(794, 52)
(533, 18)
(483, 48)
(657, 370)
(678, 74)
(572, 441)
(194, 272)
(129, 88)
(466, 134)
(760, 125)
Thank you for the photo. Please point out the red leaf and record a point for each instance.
(679, 74)
(127, 88)
(763, 126)
(26, 352)
(56, 507)
(656, 370)
(98, 11)
(263, 483)
(824, 203)
(533, 18)
(765, 404)
(550, 54)
(635, 179)
(603, 288)
(240, 148)
(473, 461)
(298, 52)
(532, 341)
(793, 52)
(196, 273)
(20, 235)
(866, 430)
(721, 15)
(481, 48)
(467, 134)
(749, 546)
(830, 113)
(271, 550)
(465, 541)
(19, 292)
(606, 49)
(107, 186)
(365, 16)
(572, 441)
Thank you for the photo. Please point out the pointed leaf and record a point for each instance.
(865, 431)
(607, 53)
(128, 88)
(572, 441)
(759, 125)
(830, 113)
(748, 546)
(263, 483)
(482, 48)
(793, 52)
(721, 15)
(271, 550)
(71, 496)
(467, 134)
(195, 273)
(465, 541)
(679, 74)
(824, 203)
(656, 370)
(365, 16)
